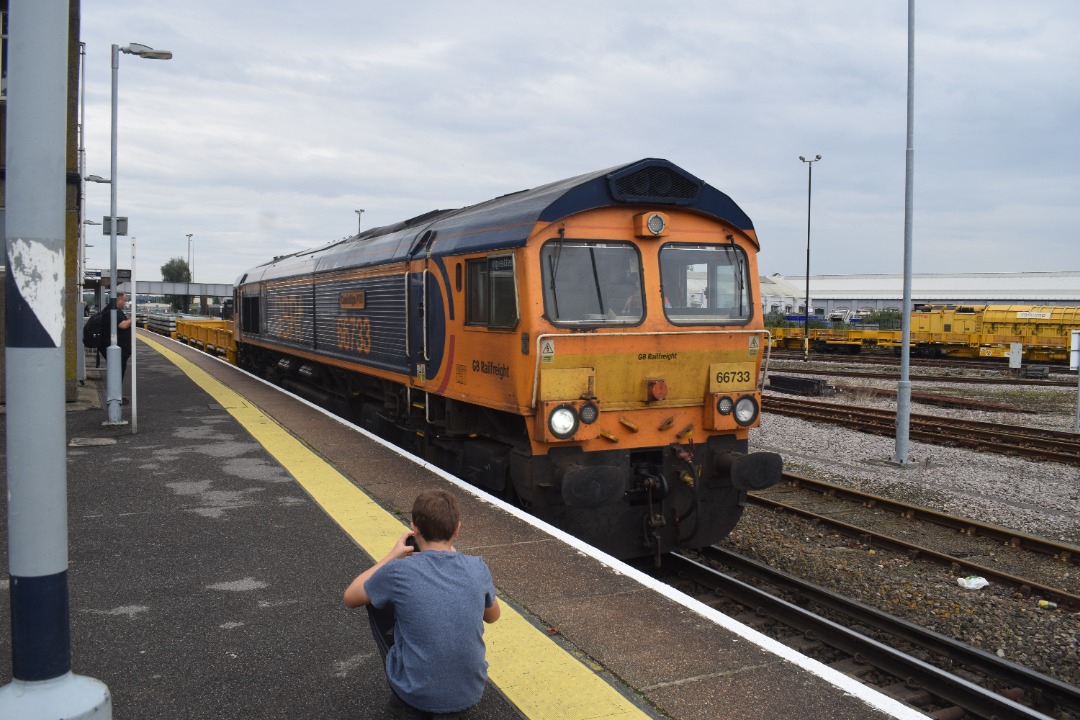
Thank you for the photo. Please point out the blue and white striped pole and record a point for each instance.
(43, 686)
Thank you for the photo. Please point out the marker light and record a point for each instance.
(563, 422)
(589, 413)
(650, 225)
(656, 223)
(746, 410)
(725, 405)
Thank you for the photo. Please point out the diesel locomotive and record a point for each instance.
(591, 349)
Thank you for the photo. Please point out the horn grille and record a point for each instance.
(655, 185)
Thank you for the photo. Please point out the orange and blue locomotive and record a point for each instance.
(591, 349)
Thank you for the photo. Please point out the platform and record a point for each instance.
(209, 552)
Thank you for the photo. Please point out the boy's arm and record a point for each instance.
(355, 594)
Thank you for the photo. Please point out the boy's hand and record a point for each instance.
(401, 549)
(356, 595)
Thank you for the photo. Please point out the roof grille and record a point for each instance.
(656, 185)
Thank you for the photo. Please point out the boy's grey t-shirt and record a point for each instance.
(436, 663)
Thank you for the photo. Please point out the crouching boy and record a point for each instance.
(427, 608)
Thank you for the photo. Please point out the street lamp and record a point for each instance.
(190, 260)
(806, 313)
(359, 216)
(82, 260)
(114, 384)
(191, 273)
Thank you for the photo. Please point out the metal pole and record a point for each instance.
(903, 394)
(359, 223)
(191, 276)
(1074, 364)
(114, 380)
(42, 684)
(134, 374)
(80, 267)
(806, 314)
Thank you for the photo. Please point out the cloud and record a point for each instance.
(271, 126)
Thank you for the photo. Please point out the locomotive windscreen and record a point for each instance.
(705, 284)
(592, 282)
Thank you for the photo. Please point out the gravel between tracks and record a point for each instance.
(1040, 499)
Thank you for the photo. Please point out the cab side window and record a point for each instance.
(491, 292)
(249, 314)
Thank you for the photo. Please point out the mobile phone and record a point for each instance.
(411, 542)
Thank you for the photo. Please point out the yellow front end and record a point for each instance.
(646, 389)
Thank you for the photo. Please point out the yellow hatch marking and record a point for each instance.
(543, 680)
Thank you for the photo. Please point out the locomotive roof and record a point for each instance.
(506, 221)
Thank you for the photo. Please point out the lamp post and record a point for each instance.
(190, 260)
(114, 384)
(191, 273)
(83, 249)
(80, 260)
(903, 388)
(101, 305)
(806, 314)
(359, 217)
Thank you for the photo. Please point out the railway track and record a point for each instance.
(1064, 381)
(984, 364)
(1032, 443)
(870, 645)
(887, 523)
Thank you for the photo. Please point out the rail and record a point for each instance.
(1065, 554)
(1035, 443)
(946, 686)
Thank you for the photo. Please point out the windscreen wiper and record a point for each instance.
(553, 266)
(740, 276)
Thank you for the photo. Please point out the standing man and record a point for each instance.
(123, 332)
(427, 607)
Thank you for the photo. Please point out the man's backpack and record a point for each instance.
(91, 332)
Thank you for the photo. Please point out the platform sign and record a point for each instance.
(121, 225)
(1016, 355)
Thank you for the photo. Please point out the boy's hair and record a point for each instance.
(435, 514)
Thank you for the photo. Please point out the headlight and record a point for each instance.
(589, 413)
(746, 410)
(725, 405)
(563, 422)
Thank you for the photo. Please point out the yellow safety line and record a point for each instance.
(535, 674)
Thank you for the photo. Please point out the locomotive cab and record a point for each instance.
(647, 380)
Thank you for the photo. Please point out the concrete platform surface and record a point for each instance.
(207, 565)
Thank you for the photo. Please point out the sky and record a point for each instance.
(274, 122)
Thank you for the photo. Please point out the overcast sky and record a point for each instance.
(275, 121)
